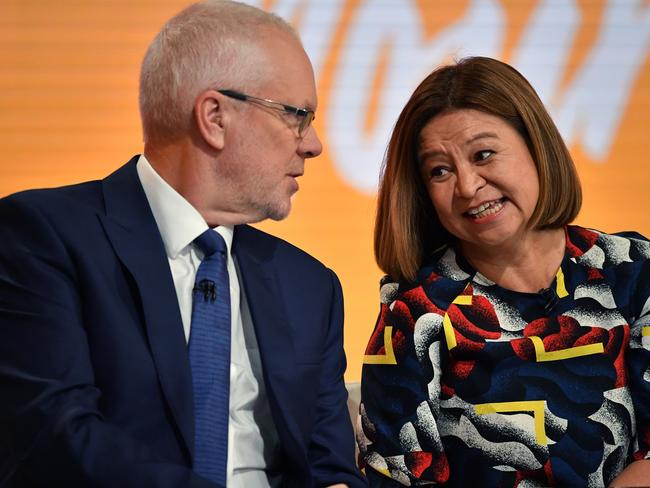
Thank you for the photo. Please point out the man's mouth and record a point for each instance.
(486, 209)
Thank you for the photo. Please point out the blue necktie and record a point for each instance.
(210, 358)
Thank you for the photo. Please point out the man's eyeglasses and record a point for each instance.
(304, 115)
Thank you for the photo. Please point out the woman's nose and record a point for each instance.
(468, 181)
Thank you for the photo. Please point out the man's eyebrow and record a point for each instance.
(307, 106)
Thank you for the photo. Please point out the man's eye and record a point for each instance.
(292, 118)
(483, 155)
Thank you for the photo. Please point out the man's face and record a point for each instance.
(263, 155)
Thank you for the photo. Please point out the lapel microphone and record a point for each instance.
(207, 288)
(550, 297)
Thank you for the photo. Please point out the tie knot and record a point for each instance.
(210, 242)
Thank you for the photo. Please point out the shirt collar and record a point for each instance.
(178, 221)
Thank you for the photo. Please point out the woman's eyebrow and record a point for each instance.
(432, 153)
(481, 135)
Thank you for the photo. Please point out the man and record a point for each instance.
(112, 313)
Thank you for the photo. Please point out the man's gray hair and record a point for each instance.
(211, 44)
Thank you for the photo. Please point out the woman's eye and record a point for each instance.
(438, 171)
(483, 155)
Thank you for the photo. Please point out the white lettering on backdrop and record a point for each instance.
(588, 110)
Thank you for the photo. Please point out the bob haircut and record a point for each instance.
(407, 229)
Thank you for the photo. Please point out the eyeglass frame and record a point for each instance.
(306, 115)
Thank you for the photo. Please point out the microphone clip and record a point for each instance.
(551, 298)
(207, 288)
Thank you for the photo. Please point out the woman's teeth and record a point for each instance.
(488, 208)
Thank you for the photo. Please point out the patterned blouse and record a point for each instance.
(468, 384)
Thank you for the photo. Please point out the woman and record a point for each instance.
(511, 349)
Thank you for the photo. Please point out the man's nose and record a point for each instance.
(310, 145)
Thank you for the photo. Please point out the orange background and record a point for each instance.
(68, 113)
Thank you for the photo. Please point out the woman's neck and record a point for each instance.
(527, 265)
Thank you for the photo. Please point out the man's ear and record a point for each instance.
(211, 118)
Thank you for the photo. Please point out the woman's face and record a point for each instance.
(480, 177)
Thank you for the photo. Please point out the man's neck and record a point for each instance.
(188, 170)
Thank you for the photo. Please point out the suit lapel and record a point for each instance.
(133, 232)
(131, 229)
(274, 336)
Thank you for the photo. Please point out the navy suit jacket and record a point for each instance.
(95, 382)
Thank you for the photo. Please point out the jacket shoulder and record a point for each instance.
(66, 198)
(269, 246)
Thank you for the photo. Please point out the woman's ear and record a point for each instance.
(210, 118)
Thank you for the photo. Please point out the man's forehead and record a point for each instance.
(286, 72)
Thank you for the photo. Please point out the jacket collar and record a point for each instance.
(132, 231)
(259, 263)
(131, 228)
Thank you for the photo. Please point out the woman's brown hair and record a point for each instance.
(407, 227)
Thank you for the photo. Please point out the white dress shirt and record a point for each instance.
(252, 437)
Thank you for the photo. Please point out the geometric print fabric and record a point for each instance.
(470, 384)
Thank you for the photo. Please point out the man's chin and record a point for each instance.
(280, 214)
(275, 213)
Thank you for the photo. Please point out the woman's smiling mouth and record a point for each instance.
(486, 209)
